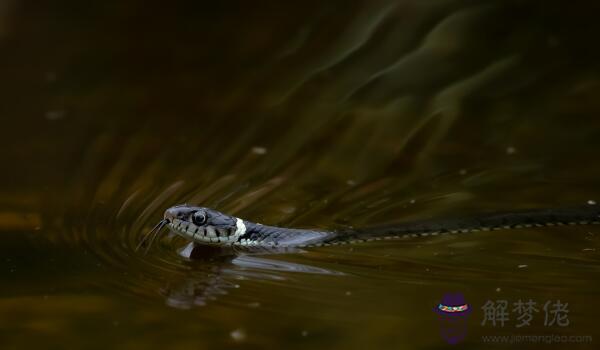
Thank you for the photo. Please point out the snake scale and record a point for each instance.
(208, 227)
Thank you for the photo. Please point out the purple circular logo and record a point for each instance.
(453, 311)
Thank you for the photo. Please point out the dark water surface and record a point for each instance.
(312, 114)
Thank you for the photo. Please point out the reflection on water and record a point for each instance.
(211, 279)
(321, 115)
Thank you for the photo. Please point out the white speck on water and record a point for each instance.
(591, 202)
(498, 290)
(348, 293)
(288, 209)
(351, 183)
(462, 172)
(589, 249)
(511, 150)
(259, 150)
(304, 333)
(238, 335)
(236, 286)
(55, 115)
(522, 266)
(254, 305)
(412, 201)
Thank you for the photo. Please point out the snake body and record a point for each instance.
(209, 227)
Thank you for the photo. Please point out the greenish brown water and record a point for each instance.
(308, 114)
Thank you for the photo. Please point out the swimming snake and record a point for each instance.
(208, 227)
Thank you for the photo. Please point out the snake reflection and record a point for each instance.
(220, 273)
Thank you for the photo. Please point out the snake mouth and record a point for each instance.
(207, 234)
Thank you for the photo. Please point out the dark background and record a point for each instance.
(305, 114)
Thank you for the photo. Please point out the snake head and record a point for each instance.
(204, 225)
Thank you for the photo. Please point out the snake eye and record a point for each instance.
(199, 218)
